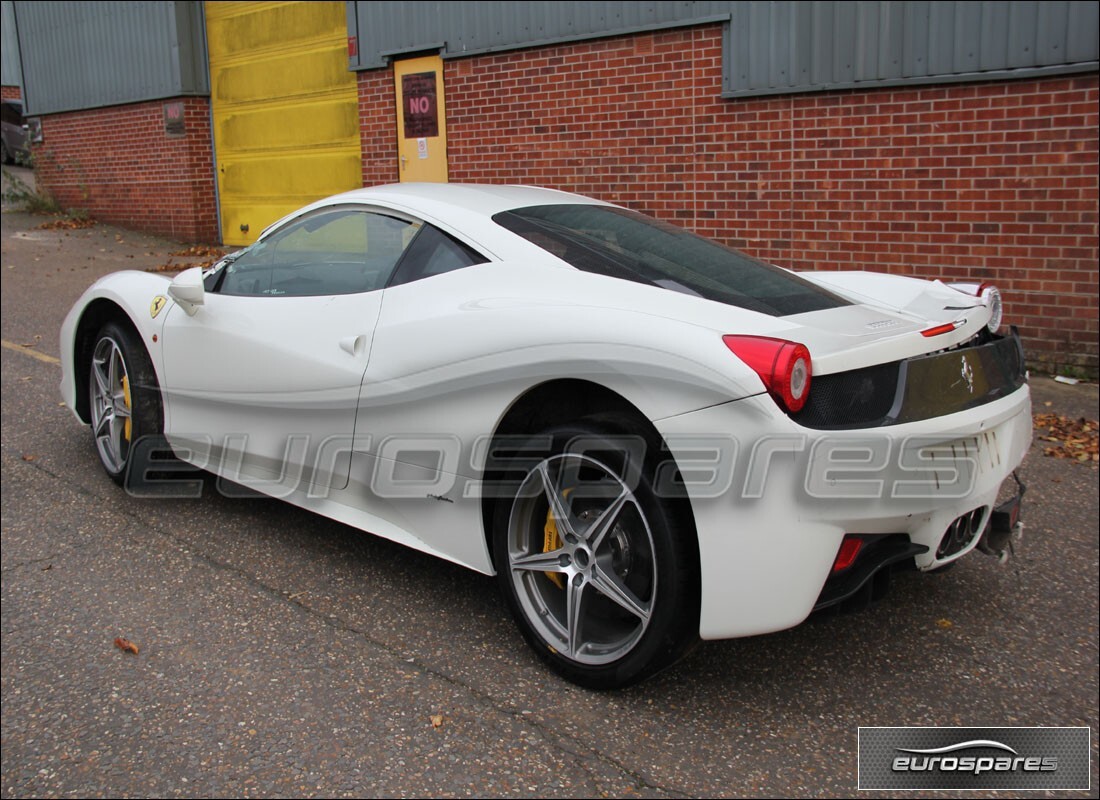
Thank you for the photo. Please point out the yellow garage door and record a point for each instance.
(285, 109)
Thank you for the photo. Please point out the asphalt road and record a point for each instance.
(283, 654)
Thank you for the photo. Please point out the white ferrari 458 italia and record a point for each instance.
(648, 437)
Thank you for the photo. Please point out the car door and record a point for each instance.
(262, 380)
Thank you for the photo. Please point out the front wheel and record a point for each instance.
(598, 570)
(124, 397)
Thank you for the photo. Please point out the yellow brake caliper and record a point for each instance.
(128, 427)
(551, 541)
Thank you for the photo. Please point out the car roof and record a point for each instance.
(465, 208)
(482, 198)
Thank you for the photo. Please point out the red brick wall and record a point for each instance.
(10, 93)
(120, 165)
(378, 126)
(991, 181)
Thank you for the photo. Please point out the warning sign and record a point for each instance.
(419, 105)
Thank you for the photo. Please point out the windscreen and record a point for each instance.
(628, 245)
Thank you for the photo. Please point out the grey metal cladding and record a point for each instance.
(79, 55)
(12, 72)
(779, 47)
(467, 28)
(769, 47)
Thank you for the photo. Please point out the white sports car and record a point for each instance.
(649, 438)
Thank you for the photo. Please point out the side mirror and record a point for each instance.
(188, 291)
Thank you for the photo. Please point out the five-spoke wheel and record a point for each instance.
(597, 567)
(111, 404)
(580, 554)
(123, 396)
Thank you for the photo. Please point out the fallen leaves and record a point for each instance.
(437, 720)
(1075, 439)
(67, 223)
(126, 646)
(208, 255)
(199, 251)
(944, 623)
(29, 457)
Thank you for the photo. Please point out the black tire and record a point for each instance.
(620, 534)
(112, 396)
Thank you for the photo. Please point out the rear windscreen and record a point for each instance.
(625, 244)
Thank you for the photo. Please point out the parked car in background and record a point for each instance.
(15, 133)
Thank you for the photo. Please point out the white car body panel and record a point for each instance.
(131, 291)
(773, 553)
(440, 361)
(231, 369)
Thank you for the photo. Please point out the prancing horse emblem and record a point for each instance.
(968, 374)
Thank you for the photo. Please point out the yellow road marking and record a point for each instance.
(29, 351)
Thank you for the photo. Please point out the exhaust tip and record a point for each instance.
(961, 533)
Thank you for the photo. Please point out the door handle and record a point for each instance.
(354, 345)
(403, 160)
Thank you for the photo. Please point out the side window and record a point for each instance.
(432, 253)
(334, 251)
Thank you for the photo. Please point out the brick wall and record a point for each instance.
(991, 181)
(378, 126)
(120, 165)
(10, 93)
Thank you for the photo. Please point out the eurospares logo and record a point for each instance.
(953, 758)
(974, 758)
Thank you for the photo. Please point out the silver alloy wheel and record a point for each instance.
(581, 558)
(111, 411)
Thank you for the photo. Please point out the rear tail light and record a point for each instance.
(936, 331)
(783, 366)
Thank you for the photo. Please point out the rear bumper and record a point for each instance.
(878, 554)
(769, 527)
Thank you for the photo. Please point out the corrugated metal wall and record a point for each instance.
(465, 28)
(11, 74)
(770, 47)
(795, 47)
(79, 55)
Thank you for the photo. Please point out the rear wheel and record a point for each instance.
(124, 397)
(596, 567)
